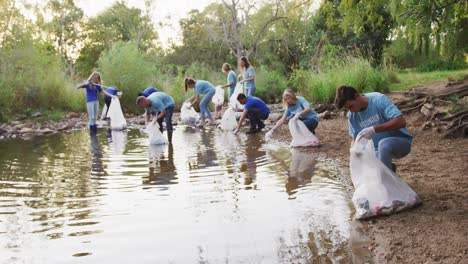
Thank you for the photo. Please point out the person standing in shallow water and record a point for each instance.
(374, 116)
(249, 76)
(296, 108)
(201, 88)
(93, 87)
(161, 103)
(231, 79)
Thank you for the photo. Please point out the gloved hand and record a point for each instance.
(235, 130)
(234, 108)
(296, 117)
(269, 134)
(114, 97)
(367, 132)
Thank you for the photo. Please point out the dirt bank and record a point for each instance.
(436, 168)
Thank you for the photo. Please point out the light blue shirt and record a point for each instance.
(249, 73)
(379, 110)
(204, 87)
(231, 78)
(300, 105)
(159, 102)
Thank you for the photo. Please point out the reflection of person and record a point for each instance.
(256, 110)
(301, 169)
(374, 116)
(231, 79)
(297, 107)
(96, 155)
(252, 153)
(93, 87)
(166, 171)
(207, 156)
(249, 76)
(201, 88)
(161, 103)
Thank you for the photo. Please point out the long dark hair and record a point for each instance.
(246, 62)
(188, 81)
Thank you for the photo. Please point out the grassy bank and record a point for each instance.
(411, 79)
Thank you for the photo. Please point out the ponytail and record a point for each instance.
(188, 81)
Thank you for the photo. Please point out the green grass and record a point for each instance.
(411, 79)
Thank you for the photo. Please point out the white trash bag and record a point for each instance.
(228, 122)
(116, 116)
(301, 135)
(218, 97)
(378, 190)
(154, 135)
(104, 110)
(189, 116)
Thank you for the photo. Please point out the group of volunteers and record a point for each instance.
(371, 115)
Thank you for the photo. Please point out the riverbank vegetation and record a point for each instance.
(372, 45)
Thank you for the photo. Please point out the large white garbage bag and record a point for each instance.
(301, 136)
(228, 122)
(189, 116)
(154, 135)
(218, 97)
(378, 190)
(118, 121)
(104, 111)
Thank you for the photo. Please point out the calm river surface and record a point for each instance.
(213, 197)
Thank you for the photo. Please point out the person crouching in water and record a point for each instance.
(161, 103)
(374, 116)
(203, 88)
(93, 87)
(255, 109)
(296, 108)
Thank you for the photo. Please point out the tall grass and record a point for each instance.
(353, 71)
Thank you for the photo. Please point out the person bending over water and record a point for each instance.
(201, 88)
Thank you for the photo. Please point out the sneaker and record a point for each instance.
(252, 131)
(261, 126)
(393, 167)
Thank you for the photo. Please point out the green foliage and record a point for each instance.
(124, 66)
(441, 65)
(354, 71)
(270, 85)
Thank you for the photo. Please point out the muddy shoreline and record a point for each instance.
(436, 169)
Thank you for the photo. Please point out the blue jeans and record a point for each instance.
(204, 109)
(168, 118)
(93, 109)
(393, 147)
(311, 124)
(255, 117)
(250, 91)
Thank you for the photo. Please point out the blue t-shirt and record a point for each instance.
(92, 92)
(379, 110)
(249, 73)
(231, 78)
(149, 91)
(257, 104)
(111, 90)
(204, 87)
(159, 102)
(300, 105)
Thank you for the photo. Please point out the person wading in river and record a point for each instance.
(374, 116)
(161, 103)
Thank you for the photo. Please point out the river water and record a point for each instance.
(213, 197)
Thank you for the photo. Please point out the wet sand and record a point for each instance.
(436, 168)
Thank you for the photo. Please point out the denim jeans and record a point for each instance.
(393, 147)
(250, 91)
(204, 109)
(93, 109)
(311, 124)
(255, 117)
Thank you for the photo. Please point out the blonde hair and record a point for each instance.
(288, 93)
(188, 81)
(93, 76)
(226, 65)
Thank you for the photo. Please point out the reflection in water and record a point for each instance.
(65, 201)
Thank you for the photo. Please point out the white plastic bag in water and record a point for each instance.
(154, 135)
(118, 121)
(301, 136)
(218, 97)
(378, 190)
(228, 122)
(189, 116)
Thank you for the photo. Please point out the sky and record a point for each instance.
(168, 12)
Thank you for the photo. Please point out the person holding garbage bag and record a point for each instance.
(204, 88)
(161, 103)
(93, 87)
(255, 109)
(374, 116)
(248, 76)
(296, 108)
(231, 79)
